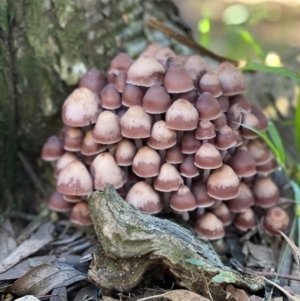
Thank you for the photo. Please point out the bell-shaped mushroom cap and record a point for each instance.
(92, 80)
(80, 214)
(196, 62)
(120, 82)
(144, 198)
(267, 168)
(232, 80)
(63, 161)
(224, 103)
(120, 63)
(222, 212)
(191, 96)
(242, 163)
(200, 193)
(208, 226)
(125, 152)
(74, 179)
(183, 200)
(189, 144)
(89, 147)
(164, 54)
(178, 80)
(110, 98)
(161, 137)
(225, 138)
(106, 171)
(132, 96)
(245, 220)
(57, 203)
(208, 157)
(205, 130)
(156, 100)
(174, 155)
(242, 101)
(168, 179)
(275, 219)
(239, 138)
(208, 107)
(249, 120)
(266, 193)
(182, 116)
(81, 108)
(150, 50)
(243, 201)
(146, 162)
(107, 129)
(73, 139)
(259, 152)
(146, 72)
(53, 149)
(220, 121)
(261, 117)
(136, 123)
(234, 116)
(223, 183)
(210, 82)
(188, 168)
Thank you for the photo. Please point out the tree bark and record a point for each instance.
(46, 45)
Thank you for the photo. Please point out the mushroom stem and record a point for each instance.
(157, 117)
(162, 153)
(204, 141)
(188, 182)
(185, 215)
(205, 176)
(223, 153)
(148, 181)
(138, 143)
(127, 184)
(179, 136)
(200, 211)
(166, 200)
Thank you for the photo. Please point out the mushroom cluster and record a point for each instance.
(167, 131)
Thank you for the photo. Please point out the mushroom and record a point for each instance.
(57, 203)
(189, 144)
(92, 80)
(196, 62)
(208, 107)
(189, 170)
(120, 82)
(266, 193)
(52, 149)
(259, 152)
(245, 220)
(174, 155)
(224, 103)
(73, 139)
(225, 139)
(89, 147)
(243, 201)
(261, 117)
(132, 96)
(222, 213)
(220, 122)
(242, 101)
(80, 214)
(63, 161)
(210, 83)
(205, 131)
(110, 98)
(120, 63)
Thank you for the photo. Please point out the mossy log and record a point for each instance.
(45, 47)
(132, 242)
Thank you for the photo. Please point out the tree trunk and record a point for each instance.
(46, 45)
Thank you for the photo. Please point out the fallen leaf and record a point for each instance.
(59, 294)
(258, 255)
(295, 249)
(178, 295)
(39, 239)
(43, 278)
(7, 241)
(88, 292)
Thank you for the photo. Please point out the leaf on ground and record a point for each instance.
(86, 293)
(38, 240)
(59, 294)
(178, 295)
(7, 241)
(237, 294)
(295, 249)
(43, 278)
(291, 296)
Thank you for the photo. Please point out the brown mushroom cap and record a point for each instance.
(92, 80)
(249, 120)
(223, 183)
(145, 71)
(81, 108)
(188, 168)
(143, 197)
(174, 155)
(242, 101)
(125, 152)
(183, 200)
(190, 96)
(161, 137)
(120, 63)
(222, 212)
(136, 123)
(168, 179)
(120, 82)
(208, 157)
(57, 203)
(259, 152)
(200, 193)
(225, 138)
(208, 107)
(189, 144)
(150, 50)
(261, 117)
(275, 219)
(73, 139)
(208, 226)
(110, 98)
(266, 193)
(74, 179)
(178, 80)
(242, 163)
(80, 214)
(205, 130)
(232, 80)
(63, 161)
(156, 100)
(107, 129)
(220, 121)
(267, 168)
(196, 62)
(210, 82)
(132, 96)
(245, 220)
(146, 162)
(89, 147)
(164, 54)
(182, 116)
(52, 149)
(234, 116)
(224, 103)
(243, 201)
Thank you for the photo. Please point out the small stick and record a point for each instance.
(273, 274)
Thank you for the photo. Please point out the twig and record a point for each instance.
(289, 277)
(33, 177)
(187, 41)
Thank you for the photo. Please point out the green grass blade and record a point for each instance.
(275, 70)
(297, 124)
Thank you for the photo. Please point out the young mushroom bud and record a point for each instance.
(110, 98)
(92, 80)
(245, 220)
(266, 193)
(120, 63)
(57, 203)
(52, 149)
(80, 214)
